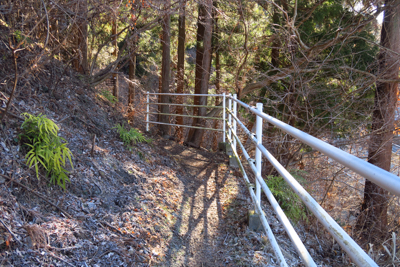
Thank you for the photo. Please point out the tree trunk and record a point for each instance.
(373, 218)
(80, 62)
(180, 67)
(114, 31)
(132, 69)
(199, 66)
(165, 69)
(203, 59)
(217, 71)
(275, 50)
(133, 47)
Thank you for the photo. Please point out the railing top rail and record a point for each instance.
(383, 178)
(184, 105)
(185, 94)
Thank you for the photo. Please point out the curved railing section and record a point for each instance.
(377, 175)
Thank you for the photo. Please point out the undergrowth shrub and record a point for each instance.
(110, 97)
(130, 137)
(46, 148)
(290, 203)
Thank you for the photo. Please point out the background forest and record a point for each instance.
(329, 68)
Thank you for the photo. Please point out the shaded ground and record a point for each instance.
(154, 204)
(157, 204)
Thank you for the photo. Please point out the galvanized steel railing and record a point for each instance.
(379, 176)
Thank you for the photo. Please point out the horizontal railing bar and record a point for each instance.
(267, 228)
(298, 244)
(184, 94)
(357, 254)
(373, 173)
(183, 105)
(179, 115)
(185, 126)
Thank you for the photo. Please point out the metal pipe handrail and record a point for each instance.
(179, 115)
(185, 94)
(264, 222)
(185, 126)
(379, 176)
(298, 244)
(183, 105)
(346, 242)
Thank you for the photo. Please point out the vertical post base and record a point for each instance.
(222, 146)
(254, 221)
(225, 147)
(233, 161)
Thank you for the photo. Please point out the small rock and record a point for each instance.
(4, 146)
(264, 239)
(91, 206)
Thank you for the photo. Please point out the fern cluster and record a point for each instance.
(110, 97)
(130, 137)
(47, 149)
(287, 199)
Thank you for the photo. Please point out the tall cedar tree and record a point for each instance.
(181, 66)
(165, 67)
(203, 60)
(216, 49)
(375, 205)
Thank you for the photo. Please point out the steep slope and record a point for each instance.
(123, 207)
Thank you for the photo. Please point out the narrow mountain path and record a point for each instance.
(211, 215)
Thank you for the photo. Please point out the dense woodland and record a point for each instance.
(327, 67)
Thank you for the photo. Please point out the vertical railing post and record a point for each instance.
(259, 122)
(148, 110)
(234, 122)
(230, 117)
(223, 117)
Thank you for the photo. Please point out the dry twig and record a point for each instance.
(38, 195)
(8, 229)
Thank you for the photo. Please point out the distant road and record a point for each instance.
(396, 149)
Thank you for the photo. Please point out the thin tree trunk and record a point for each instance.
(217, 71)
(180, 67)
(275, 50)
(114, 31)
(132, 69)
(165, 69)
(199, 66)
(374, 208)
(202, 78)
(80, 62)
(136, 5)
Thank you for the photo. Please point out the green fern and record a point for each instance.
(110, 97)
(47, 149)
(290, 203)
(130, 137)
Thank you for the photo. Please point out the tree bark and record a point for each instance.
(373, 216)
(165, 69)
(180, 67)
(132, 69)
(203, 60)
(132, 61)
(80, 62)
(216, 37)
(114, 31)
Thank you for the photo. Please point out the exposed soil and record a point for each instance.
(154, 204)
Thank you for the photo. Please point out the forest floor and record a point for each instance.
(160, 204)
(156, 204)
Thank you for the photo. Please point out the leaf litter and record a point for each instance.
(160, 204)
